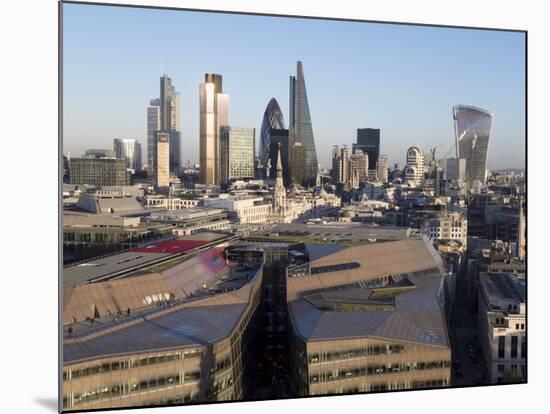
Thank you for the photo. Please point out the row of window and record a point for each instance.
(513, 347)
(356, 353)
(343, 374)
(116, 390)
(130, 363)
(385, 386)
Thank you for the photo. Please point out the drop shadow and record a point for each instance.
(49, 403)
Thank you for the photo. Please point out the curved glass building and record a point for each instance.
(472, 132)
(273, 119)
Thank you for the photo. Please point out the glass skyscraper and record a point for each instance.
(273, 119)
(301, 130)
(472, 131)
(368, 140)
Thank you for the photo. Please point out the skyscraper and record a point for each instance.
(236, 153)
(169, 120)
(162, 162)
(214, 113)
(301, 130)
(153, 125)
(272, 120)
(130, 149)
(472, 131)
(368, 140)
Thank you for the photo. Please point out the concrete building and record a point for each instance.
(447, 226)
(162, 163)
(170, 203)
(246, 210)
(414, 170)
(369, 318)
(214, 113)
(382, 170)
(237, 148)
(502, 322)
(129, 149)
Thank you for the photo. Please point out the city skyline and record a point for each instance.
(387, 86)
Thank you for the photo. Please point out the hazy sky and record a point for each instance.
(401, 79)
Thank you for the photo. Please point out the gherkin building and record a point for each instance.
(273, 119)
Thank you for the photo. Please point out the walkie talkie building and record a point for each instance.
(472, 131)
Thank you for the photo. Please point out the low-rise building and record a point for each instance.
(192, 220)
(502, 329)
(246, 210)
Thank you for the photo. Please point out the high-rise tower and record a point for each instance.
(214, 113)
(472, 131)
(272, 120)
(169, 120)
(300, 129)
(153, 125)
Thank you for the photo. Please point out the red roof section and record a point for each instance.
(172, 246)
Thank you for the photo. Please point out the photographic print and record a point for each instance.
(260, 207)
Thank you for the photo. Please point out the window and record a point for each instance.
(500, 367)
(501, 344)
(514, 350)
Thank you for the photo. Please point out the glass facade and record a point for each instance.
(273, 119)
(368, 140)
(301, 129)
(472, 131)
(236, 153)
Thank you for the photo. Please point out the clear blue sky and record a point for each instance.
(401, 79)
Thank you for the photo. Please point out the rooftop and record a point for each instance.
(391, 291)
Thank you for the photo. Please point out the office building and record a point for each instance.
(297, 160)
(99, 171)
(382, 169)
(414, 170)
(272, 120)
(456, 169)
(369, 318)
(502, 320)
(246, 209)
(236, 153)
(153, 126)
(301, 129)
(214, 113)
(162, 162)
(472, 132)
(359, 168)
(129, 149)
(170, 120)
(368, 140)
(168, 337)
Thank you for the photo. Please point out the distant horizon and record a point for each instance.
(403, 80)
